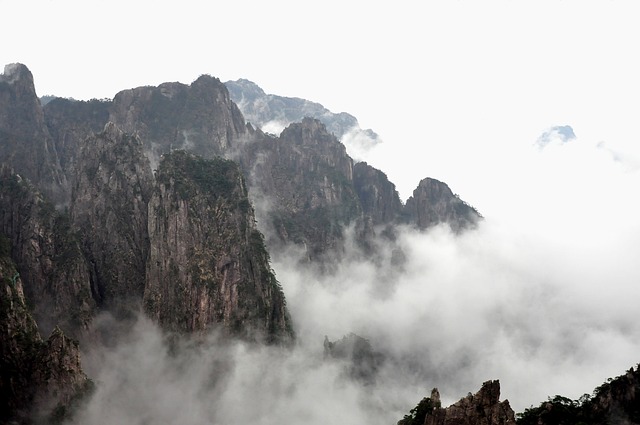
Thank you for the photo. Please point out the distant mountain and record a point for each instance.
(272, 113)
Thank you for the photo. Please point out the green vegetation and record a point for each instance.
(417, 415)
(192, 175)
(615, 401)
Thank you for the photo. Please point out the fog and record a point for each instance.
(542, 296)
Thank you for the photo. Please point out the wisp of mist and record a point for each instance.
(543, 298)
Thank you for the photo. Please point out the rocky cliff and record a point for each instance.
(482, 408)
(111, 189)
(39, 380)
(208, 265)
(200, 117)
(70, 123)
(48, 257)
(303, 184)
(378, 196)
(433, 203)
(25, 142)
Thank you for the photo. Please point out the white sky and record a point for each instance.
(451, 86)
(458, 90)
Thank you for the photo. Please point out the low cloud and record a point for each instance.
(542, 296)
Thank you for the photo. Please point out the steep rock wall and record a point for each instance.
(208, 266)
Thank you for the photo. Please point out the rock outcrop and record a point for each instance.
(303, 181)
(363, 362)
(111, 189)
(200, 118)
(433, 203)
(25, 142)
(378, 196)
(48, 257)
(483, 408)
(39, 379)
(70, 123)
(208, 266)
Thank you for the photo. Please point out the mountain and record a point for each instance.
(272, 113)
(433, 203)
(165, 202)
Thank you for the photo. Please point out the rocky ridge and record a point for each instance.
(273, 113)
(482, 408)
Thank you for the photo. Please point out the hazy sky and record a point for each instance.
(544, 295)
(453, 87)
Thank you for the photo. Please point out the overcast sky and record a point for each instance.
(453, 87)
(467, 92)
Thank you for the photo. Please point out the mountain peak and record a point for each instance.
(14, 72)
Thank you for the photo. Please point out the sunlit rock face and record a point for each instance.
(433, 203)
(208, 267)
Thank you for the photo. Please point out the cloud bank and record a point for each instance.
(542, 296)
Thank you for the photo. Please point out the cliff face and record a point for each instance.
(47, 253)
(208, 265)
(482, 408)
(112, 187)
(200, 118)
(70, 123)
(38, 379)
(25, 142)
(433, 203)
(378, 196)
(305, 178)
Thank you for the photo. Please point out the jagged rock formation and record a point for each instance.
(207, 263)
(47, 253)
(112, 187)
(378, 196)
(200, 118)
(303, 181)
(273, 113)
(38, 379)
(433, 203)
(25, 142)
(483, 408)
(363, 361)
(617, 401)
(70, 123)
